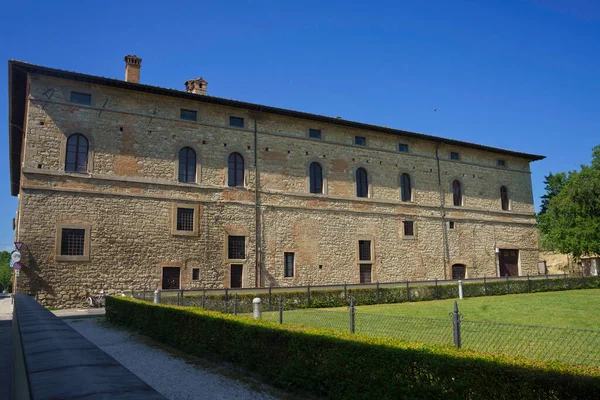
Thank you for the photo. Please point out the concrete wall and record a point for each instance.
(127, 198)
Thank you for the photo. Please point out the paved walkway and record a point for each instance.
(5, 347)
(79, 313)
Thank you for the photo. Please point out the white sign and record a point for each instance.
(15, 256)
(17, 272)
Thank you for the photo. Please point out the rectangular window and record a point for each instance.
(236, 277)
(403, 148)
(288, 268)
(185, 219)
(72, 242)
(236, 248)
(454, 155)
(365, 273)
(81, 98)
(451, 225)
(236, 121)
(314, 133)
(364, 250)
(360, 140)
(188, 115)
(409, 228)
(196, 274)
(501, 163)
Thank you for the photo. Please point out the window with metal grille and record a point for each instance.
(456, 193)
(196, 274)
(364, 250)
(72, 242)
(459, 271)
(454, 155)
(81, 98)
(187, 165)
(365, 273)
(409, 228)
(360, 140)
(76, 159)
(403, 148)
(362, 183)
(314, 133)
(288, 268)
(405, 189)
(451, 224)
(501, 163)
(316, 178)
(188, 115)
(236, 248)
(504, 197)
(235, 170)
(185, 219)
(236, 121)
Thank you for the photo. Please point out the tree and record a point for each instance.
(5, 271)
(570, 216)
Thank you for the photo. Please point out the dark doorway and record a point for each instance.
(365, 273)
(509, 262)
(170, 279)
(236, 275)
(459, 271)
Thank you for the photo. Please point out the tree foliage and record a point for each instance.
(570, 215)
(5, 271)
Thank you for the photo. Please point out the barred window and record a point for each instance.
(360, 140)
(405, 189)
(288, 268)
(236, 121)
(409, 228)
(73, 242)
(454, 155)
(188, 115)
(196, 274)
(403, 148)
(235, 169)
(187, 165)
(185, 219)
(364, 250)
(365, 273)
(314, 133)
(77, 153)
(236, 248)
(316, 178)
(362, 183)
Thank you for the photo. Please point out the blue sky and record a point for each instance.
(517, 74)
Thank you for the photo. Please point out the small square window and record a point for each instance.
(72, 242)
(360, 140)
(454, 155)
(81, 98)
(314, 133)
(451, 224)
(409, 228)
(403, 148)
(188, 115)
(364, 250)
(501, 163)
(236, 249)
(236, 121)
(195, 274)
(185, 219)
(288, 268)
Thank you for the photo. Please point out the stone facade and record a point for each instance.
(129, 196)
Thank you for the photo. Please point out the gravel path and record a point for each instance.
(173, 377)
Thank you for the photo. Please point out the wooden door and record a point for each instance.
(236, 275)
(365, 273)
(509, 262)
(170, 278)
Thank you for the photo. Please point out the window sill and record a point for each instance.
(409, 237)
(185, 233)
(236, 260)
(72, 258)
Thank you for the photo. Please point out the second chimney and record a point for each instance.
(132, 68)
(197, 86)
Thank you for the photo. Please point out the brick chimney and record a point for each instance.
(132, 68)
(197, 86)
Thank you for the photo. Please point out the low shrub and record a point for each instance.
(345, 366)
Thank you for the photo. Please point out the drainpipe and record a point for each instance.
(257, 218)
(446, 250)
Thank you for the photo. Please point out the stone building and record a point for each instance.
(123, 185)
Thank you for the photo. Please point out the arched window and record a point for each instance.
(316, 178)
(405, 189)
(77, 153)
(235, 170)
(457, 193)
(504, 197)
(187, 165)
(362, 184)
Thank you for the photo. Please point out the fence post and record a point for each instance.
(460, 291)
(308, 295)
(528, 284)
(437, 295)
(144, 294)
(227, 294)
(157, 296)
(507, 286)
(547, 281)
(345, 292)
(456, 325)
(235, 304)
(270, 305)
(256, 302)
(566, 280)
(180, 297)
(407, 292)
(204, 298)
(377, 293)
(352, 315)
(484, 285)
(280, 309)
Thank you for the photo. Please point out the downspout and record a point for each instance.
(257, 215)
(446, 250)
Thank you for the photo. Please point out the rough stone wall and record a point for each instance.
(131, 185)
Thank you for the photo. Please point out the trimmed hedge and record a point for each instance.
(335, 298)
(345, 366)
